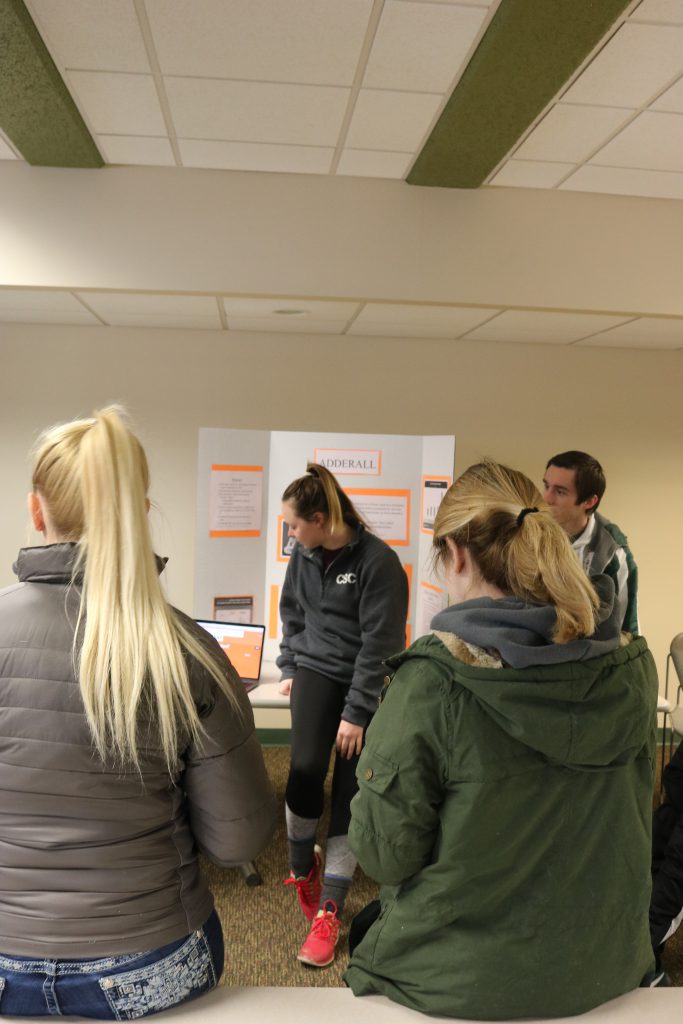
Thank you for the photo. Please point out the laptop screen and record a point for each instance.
(243, 644)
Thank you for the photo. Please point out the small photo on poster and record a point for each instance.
(285, 543)
(433, 490)
(234, 609)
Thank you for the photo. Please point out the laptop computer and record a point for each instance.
(243, 644)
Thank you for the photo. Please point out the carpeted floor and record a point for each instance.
(264, 927)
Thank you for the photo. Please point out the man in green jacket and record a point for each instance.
(573, 485)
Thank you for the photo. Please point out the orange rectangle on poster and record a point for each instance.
(274, 611)
(380, 492)
(430, 586)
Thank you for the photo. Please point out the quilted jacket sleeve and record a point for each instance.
(401, 778)
(230, 800)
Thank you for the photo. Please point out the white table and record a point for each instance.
(266, 694)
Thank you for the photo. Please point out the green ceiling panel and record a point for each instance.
(529, 51)
(36, 111)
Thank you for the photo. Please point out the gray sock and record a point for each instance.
(334, 888)
(340, 864)
(301, 841)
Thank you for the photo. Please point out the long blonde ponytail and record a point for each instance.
(516, 544)
(130, 645)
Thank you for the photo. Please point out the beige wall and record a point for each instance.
(173, 229)
(518, 403)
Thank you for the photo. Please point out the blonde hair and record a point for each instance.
(93, 476)
(528, 556)
(319, 491)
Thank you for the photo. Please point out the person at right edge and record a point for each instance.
(505, 789)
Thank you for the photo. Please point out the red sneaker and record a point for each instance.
(318, 947)
(308, 889)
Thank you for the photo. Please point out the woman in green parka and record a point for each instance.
(506, 782)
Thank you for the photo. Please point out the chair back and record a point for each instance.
(676, 655)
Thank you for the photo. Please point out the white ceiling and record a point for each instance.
(338, 317)
(618, 126)
(306, 86)
(351, 88)
(354, 88)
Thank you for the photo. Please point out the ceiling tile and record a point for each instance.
(549, 328)
(531, 174)
(118, 104)
(256, 111)
(625, 182)
(135, 149)
(672, 99)
(421, 47)
(255, 156)
(395, 121)
(413, 321)
(628, 72)
(651, 142)
(317, 309)
(23, 305)
(666, 11)
(570, 133)
(130, 308)
(306, 41)
(647, 332)
(97, 35)
(364, 163)
(286, 325)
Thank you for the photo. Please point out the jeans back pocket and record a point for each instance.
(182, 975)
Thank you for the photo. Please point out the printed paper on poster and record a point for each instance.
(235, 499)
(234, 609)
(432, 601)
(387, 512)
(433, 490)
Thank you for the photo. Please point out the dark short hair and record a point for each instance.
(590, 476)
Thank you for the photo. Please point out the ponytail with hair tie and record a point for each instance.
(525, 512)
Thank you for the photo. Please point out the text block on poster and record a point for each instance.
(387, 511)
(235, 500)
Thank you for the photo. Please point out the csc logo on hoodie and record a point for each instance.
(346, 577)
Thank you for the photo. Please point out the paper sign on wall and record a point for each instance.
(235, 498)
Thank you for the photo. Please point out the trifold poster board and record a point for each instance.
(396, 481)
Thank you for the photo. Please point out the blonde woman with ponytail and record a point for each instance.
(127, 746)
(343, 609)
(506, 783)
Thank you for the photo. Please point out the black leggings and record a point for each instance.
(317, 703)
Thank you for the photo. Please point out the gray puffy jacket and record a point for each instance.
(96, 860)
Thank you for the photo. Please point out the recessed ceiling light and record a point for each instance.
(290, 312)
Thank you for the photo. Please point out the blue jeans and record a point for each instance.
(114, 987)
